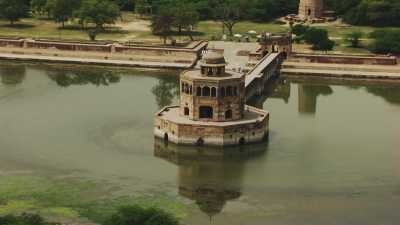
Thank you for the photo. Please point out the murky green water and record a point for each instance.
(74, 137)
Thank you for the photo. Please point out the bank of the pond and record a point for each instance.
(98, 62)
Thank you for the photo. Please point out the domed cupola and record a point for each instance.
(213, 64)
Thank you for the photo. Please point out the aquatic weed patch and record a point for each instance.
(75, 198)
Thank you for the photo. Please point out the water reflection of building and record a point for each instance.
(209, 176)
(308, 94)
(12, 74)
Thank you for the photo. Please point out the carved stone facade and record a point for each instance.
(280, 42)
(212, 109)
(311, 9)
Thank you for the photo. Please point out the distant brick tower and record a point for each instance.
(311, 9)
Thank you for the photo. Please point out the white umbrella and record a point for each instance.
(252, 32)
(237, 35)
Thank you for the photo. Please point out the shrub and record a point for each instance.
(386, 41)
(136, 215)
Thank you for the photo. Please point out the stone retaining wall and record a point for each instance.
(347, 59)
(107, 47)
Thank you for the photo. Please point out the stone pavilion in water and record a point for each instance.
(212, 109)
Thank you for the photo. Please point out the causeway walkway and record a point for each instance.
(258, 70)
(100, 62)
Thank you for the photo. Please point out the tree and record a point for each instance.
(38, 6)
(385, 41)
(185, 16)
(63, 10)
(13, 10)
(354, 38)
(319, 39)
(162, 22)
(98, 12)
(136, 215)
(325, 45)
(49, 8)
(299, 29)
(230, 12)
(140, 7)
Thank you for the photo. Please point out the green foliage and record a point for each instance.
(38, 6)
(24, 219)
(162, 22)
(266, 10)
(373, 12)
(140, 7)
(98, 12)
(299, 29)
(13, 10)
(136, 215)
(319, 39)
(186, 15)
(385, 41)
(354, 38)
(63, 10)
(230, 12)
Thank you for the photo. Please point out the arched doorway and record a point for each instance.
(206, 112)
(186, 111)
(166, 138)
(309, 12)
(200, 142)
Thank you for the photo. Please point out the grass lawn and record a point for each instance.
(131, 28)
(39, 28)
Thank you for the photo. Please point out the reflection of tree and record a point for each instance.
(209, 176)
(83, 77)
(308, 95)
(166, 90)
(390, 93)
(12, 74)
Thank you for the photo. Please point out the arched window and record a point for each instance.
(229, 91)
(183, 87)
(198, 92)
(206, 112)
(190, 89)
(219, 70)
(186, 111)
(209, 71)
(213, 92)
(228, 114)
(206, 91)
(222, 92)
(235, 91)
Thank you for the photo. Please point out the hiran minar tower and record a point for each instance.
(311, 9)
(212, 109)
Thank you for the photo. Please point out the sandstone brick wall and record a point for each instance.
(12, 42)
(347, 59)
(311, 9)
(186, 54)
